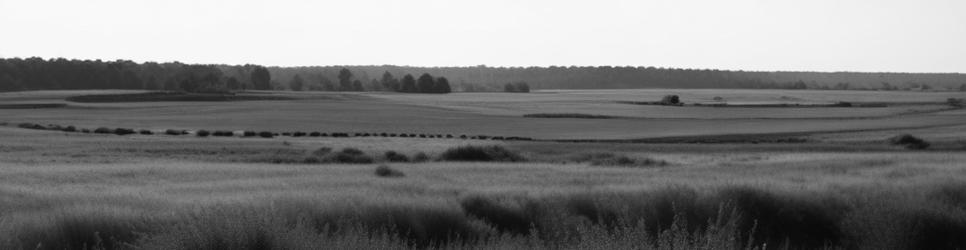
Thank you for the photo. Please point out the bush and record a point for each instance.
(173, 132)
(315, 134)
(202, 133)
(124, 131)
(393, 156)
(420, 157)
(70, 129)
(266, 134)
(347, 155)
(31, 126)
(671, 100)
(145, 132)
(298, 134)
(909, 141)
(481, 153)
(611, 159)
(88, 131)
(386, 171)
(249, 133)
(223, 133)
(103, 130)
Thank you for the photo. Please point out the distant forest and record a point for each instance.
(49, 74)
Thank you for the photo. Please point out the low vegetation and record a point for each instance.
(569, 115)
(909, 141)
(386, 171)
(729, 217)
(172, 97)
(611, 159)
(481, 154)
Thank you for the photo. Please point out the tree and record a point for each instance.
(523, 87)
(345, 80)
(357, 86)
(425, 83)
(962, 87)
(296, 83)
(327, 84)
(231, 83)
(408, 84)
(261, 79)
(442, 86)
(509, 87)
(389, 81)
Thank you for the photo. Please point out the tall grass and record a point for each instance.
(676, 217)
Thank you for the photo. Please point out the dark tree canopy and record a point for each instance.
(296, 83)
(516, 87)
(442, 86)
(345, 80)
(261, 79)
(389, 82)
(425, 83)
(408, 84)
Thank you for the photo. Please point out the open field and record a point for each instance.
(841, 186)
(501, 114)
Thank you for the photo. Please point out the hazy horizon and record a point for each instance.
(748, 35)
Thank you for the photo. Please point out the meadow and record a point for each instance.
(842, 186)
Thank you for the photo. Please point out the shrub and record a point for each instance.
(785, 219)
(671, 100)
(349, 155)
(202, 133)
(146, 132)
(223, 133)
(86, 131)
(909, 141)
(70, 129)
(481, 153)
(266, 134)
(299, 134)
(611, 159)
(286, 134)
(103, 130)
(124, 131)
(249, 133)
(315, 134)
(31, 126)
(386, 171)
(346, 155)
(322, 151)
(420, 157)
(174, 132)
(393, 156)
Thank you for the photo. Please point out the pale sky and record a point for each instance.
(815, 35)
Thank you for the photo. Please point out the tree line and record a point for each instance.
(494, 79)
(58, 73)
(39, 74)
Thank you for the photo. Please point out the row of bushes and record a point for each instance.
(264, 134)
(356, 156)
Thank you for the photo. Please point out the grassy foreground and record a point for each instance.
(674, 217)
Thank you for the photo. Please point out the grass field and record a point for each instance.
(841, 187)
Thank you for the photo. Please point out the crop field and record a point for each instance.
(502, 114)
(795, 177)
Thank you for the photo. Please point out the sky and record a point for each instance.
(815, 35)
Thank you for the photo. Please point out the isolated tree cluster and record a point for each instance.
(426, 83)
(516, 87)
